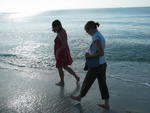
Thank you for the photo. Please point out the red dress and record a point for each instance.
(64, 57)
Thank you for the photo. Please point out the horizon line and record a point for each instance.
(76, 9)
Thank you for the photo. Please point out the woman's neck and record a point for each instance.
(93, 31)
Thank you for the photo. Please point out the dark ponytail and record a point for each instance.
(91, 24)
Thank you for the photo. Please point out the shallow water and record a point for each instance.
(27, 63)
(36, 92)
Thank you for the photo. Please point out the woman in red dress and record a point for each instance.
(62, 52)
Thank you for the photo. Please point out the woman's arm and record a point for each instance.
(100, 51)
(63, 41)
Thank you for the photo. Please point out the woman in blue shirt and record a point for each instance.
(96, 50)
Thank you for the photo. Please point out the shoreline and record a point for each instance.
(35, 91)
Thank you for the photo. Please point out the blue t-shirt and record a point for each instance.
(93, 48)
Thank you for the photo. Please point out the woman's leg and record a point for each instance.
(61, 75)
(103, 86)
(71, 71)
(87, 83)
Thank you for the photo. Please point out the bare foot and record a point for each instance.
(60, 83)
(78, 98)
(104, 106)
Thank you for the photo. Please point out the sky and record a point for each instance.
(43, 5)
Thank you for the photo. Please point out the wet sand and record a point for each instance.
(35, 91)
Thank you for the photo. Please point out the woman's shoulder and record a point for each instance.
(62, 35)
(62, 32)
(98, 35)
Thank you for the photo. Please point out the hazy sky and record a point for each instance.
(41, 5)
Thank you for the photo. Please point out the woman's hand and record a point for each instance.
(87, 55)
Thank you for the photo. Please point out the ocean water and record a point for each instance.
(27, 40)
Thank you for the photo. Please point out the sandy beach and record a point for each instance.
(35, 91)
